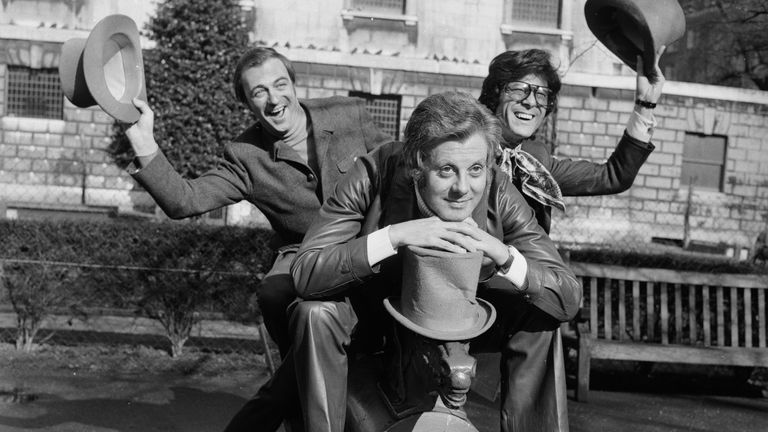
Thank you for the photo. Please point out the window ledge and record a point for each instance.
(408, 20)
(508, 29)
(32, 124)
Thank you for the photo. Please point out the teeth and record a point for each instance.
(523, 116)
(278, 111)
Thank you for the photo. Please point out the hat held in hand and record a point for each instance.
(438, 295)
(631, 28)
(106, 69)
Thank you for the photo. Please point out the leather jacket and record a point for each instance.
(377, 192)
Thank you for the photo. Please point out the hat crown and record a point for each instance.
(438, 297)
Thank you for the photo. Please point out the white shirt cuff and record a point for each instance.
(641, 127)
(519, 269)
(379, 247)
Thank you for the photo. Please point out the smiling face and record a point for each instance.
(271, 96)
(454, 177)
(522, 117)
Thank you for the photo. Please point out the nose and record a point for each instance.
(530, 100)
(273, 98)
(461, 185)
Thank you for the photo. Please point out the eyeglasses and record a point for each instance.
(519, 91)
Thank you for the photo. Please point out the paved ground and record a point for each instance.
(83, 401)
(98, 388)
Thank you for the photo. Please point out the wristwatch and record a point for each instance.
(504, 268)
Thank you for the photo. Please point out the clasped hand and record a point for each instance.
(458, 237)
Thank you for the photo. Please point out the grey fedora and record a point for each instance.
(635, 27)
(438, 295)
(106, 69)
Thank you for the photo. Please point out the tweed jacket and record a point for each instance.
(583, 178)
(378, 192)
(263, 170)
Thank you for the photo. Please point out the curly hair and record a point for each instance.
(513, 66)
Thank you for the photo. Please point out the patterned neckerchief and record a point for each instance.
(535, 179)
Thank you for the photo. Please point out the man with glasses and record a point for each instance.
(521, 89)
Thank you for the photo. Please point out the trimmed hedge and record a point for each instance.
(114, 260)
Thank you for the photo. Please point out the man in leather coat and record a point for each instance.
(443, 190)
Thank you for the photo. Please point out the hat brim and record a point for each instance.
(484, 320)
(632, 28)
(115, 35)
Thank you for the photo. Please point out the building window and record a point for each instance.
(703, 161)
(34, 93)
(384, 109)
(383, 6)
(534, 13)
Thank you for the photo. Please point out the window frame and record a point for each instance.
(23, 90)
(688, 161)
(372, 98)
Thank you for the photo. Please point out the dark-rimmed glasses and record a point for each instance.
(519, 91)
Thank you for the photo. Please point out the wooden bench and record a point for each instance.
(658, 315)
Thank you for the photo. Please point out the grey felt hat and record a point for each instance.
(106, 69)
(438, 295)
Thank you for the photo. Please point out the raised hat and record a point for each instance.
(106, 69)
(635, 27)
(438, 295)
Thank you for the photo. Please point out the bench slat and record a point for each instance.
(670, 276)
(748, 317)
(734, 317)
(720, 316)
(614, 350)
(664, 306)
(649, 311)
(678, 315)
(707, 320)
(636, 310)
(607, 318)
(692, 314)
(593, 306)
(622, 311)
(761, 318)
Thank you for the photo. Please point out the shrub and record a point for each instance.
(167, 271)
(188, 75)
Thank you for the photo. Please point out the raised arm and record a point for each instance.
(581, 177)
(178, 197)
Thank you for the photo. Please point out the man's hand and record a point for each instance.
(432, 233)
(476, 239)
(140, 133)
(646, 90)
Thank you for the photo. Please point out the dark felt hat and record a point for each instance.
(438, 295)
(635, 27)
(106, 69)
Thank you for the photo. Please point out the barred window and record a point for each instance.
(34, 93)
(703, 161)
(389, 6)
(385, 110)
(544, 13)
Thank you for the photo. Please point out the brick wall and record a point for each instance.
(63, 162)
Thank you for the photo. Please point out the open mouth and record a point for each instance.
(277, 111)
(523, 116)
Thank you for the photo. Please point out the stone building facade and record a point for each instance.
(707, 180)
